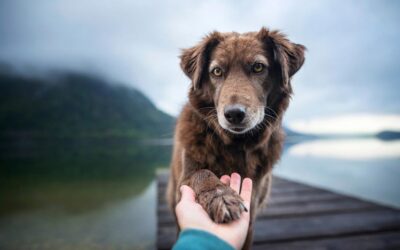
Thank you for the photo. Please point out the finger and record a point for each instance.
(247, 187)
(225, 179)
(235, 182)
(187, 193)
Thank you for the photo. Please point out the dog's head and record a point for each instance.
(241, 77)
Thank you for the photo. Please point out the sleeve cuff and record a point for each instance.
(194, 239)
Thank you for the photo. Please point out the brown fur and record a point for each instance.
(203, 150)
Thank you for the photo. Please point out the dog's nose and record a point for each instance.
(234, 113)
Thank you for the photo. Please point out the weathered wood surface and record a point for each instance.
(304, 217)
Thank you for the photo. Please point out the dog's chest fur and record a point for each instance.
(209, 151)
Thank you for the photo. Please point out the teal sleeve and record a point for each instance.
(193, 239)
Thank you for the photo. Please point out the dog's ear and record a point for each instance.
(194, 61)
(289, 56)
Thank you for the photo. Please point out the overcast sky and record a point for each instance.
(352, 63)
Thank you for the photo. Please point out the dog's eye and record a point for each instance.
(217, 71)
(258, 67)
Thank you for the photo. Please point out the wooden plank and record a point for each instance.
(326, 225)
(290, 199)
(292, 193)
(385, 240)
(165, 240)
(344, 205)
(288, 190)
(162, 177)
(305, 198)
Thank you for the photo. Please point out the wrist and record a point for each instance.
(225, 236)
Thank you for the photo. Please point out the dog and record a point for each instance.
(240, 89)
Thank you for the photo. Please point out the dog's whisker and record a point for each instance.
(205, 108)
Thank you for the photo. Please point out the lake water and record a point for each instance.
(91, 194)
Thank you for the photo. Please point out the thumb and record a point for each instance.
(187, 193)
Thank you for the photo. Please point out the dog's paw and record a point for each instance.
(223, 204)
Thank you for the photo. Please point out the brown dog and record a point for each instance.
(233, 121)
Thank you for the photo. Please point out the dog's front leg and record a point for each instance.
(221, 202)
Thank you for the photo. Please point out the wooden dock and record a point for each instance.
(300, 216)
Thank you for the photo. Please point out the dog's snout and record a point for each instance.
(235, 114)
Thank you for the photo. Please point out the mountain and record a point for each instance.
(388, 135)
(293, 137)
(77, 105)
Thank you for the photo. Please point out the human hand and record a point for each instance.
(191, 214)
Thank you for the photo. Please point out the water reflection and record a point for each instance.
(78, 194)
(351, 149)
(120, 224)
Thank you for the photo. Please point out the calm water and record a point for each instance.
(93, 194)
(78, 194)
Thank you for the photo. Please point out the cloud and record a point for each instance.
(351, 64)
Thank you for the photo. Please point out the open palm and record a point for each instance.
(191, 214)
